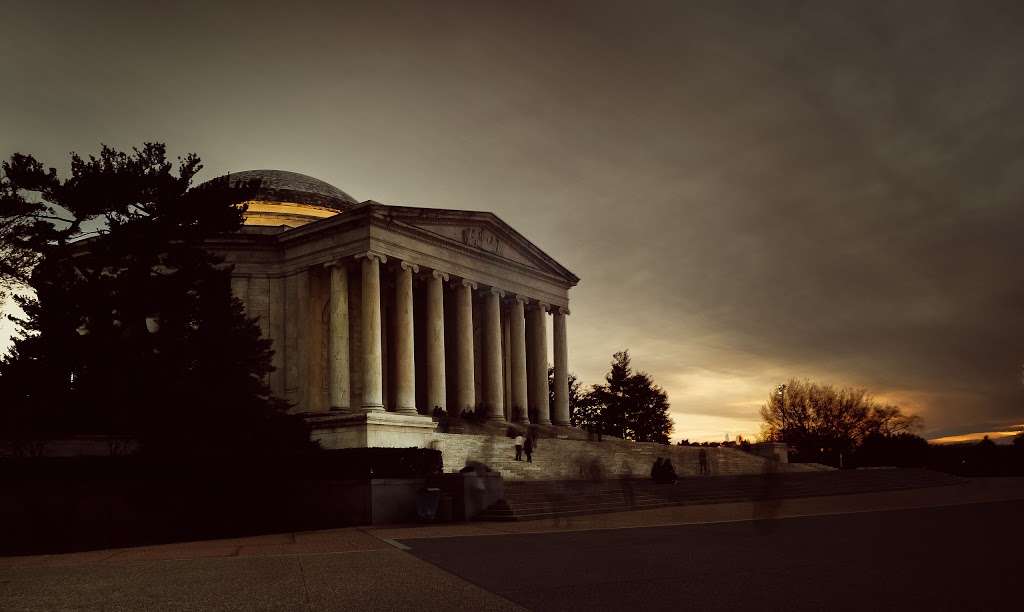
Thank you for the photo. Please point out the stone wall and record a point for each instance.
(558, 459)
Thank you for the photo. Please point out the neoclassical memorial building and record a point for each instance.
(382, 316)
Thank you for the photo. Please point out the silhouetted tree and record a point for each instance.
(985, 458)
(577, 398)
(133, 330)
(629, 405)
(824, 423)
(900, 450)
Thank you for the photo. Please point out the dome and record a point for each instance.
(289, 198)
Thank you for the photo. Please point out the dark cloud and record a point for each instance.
(749, 191)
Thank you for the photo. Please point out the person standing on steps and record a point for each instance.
(528, 447)
(519, 447)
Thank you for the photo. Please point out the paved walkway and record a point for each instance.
(963, 557)
(366, 568)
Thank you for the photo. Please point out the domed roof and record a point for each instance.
(292, 187)
(286, 199)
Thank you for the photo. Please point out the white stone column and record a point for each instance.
(537, 362)
(494, 388)
(339, 392)
(517, 367)
(506, 375)
(465, 391)
(435, 382)
(560, 411)
(373, 380)
(302, 341)
(278, 296)
(405, 357)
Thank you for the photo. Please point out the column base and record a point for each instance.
(375, 428)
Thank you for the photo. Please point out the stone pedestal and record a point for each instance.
(779, 451)
(374, 428)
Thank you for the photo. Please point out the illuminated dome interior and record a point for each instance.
(290, 198)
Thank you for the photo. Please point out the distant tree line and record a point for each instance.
(982, 458)
(826, 424)
(846, 427)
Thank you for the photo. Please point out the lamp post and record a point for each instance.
(782, 411)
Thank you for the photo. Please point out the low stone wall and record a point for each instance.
(558, 459)
(471, 494)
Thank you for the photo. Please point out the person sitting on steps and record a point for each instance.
(670, 472)
(663, 472)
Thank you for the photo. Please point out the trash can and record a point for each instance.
(427, 501)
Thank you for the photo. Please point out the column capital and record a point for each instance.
(495, 291)
(562, 310)
(371, 256)
(515, 297)
(439, 274)
(464, 282)
(337, 263)
(542, 306)
(405, 265)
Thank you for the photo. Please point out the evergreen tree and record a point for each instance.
(132, 328)
(629, 405)
(577, 398)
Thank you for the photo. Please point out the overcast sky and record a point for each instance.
(749, 191)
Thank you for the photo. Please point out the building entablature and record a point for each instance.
(472, 245)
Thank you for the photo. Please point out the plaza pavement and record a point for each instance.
(374, 568)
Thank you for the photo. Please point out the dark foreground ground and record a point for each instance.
(948, 558)
(946, 547)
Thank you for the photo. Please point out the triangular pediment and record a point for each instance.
(480, 232)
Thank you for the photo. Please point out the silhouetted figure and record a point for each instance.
(663, 472)
(656, 470)
(670, 472)
(528, 447)
(702, 462)
(627, 492)
(474, 467)
(519, 447)
(768, 499)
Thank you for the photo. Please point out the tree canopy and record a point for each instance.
(130, 326)
(822, 421)
(628, 405)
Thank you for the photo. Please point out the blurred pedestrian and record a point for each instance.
(656, 470)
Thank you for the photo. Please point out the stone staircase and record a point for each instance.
(557, 458)
(525, 500)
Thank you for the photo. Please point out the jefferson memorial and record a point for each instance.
(384, 318)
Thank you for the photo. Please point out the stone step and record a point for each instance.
(532, 500)
(567, 459)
